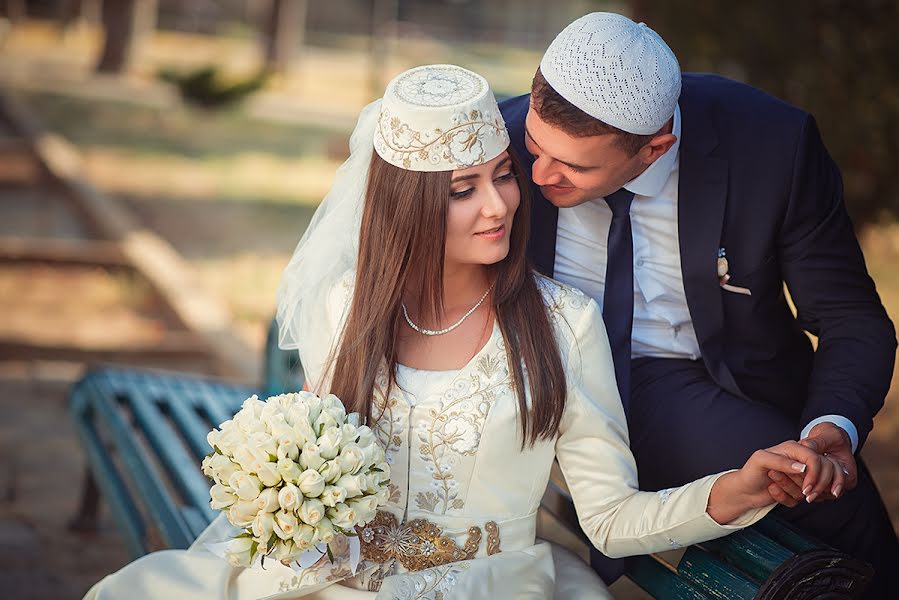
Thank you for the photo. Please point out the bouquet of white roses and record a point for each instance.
(293, 472)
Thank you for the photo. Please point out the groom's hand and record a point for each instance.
(833, 441)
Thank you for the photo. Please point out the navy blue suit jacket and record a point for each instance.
(756, 179)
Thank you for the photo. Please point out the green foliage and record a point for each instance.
(837, 59)
(205, 88)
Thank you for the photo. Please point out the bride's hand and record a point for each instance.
(751, 487)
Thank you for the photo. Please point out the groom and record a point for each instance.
(683, 203)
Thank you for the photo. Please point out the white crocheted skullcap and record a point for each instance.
(439, 118)
(615, 70)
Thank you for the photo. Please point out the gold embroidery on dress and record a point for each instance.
(418, 544)
(454, 430)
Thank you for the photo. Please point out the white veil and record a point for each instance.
(325, 253)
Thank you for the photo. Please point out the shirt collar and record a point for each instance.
(651, 181)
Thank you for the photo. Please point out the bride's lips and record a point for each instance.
(493, 234)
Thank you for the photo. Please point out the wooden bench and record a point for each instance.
(144, 433)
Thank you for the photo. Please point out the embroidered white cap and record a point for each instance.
(615, 70)
(439, 118)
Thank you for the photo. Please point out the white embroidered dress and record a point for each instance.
(453, 441)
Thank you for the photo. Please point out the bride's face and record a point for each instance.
(482, 206)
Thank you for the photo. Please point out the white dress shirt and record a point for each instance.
(662, 324)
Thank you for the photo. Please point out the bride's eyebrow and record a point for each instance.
(501, 164)
(464, 177)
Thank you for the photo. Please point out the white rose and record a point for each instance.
(230, 439)
(289, 498)
(242, 513)
(312, 402)
(326, 420)
(284, 434)
(245, 457)
(221, 497)
(305, 537)
(353, 484)
(312, 511)
(285, 524)
(331, 471)
(252, 405)
(365, 508)
(383, 495)
(271, 411)
(248, 422)
(373, 454)
(212, 438)
(366, 436)
(245, 486)
(342, 516)
(332, 402)
(264, 442)
(298, 413)
(333, 495)
(284, 550)
(325, 531)
(304, 432)
(238, 552)
(289, 470)
(267, 501)
(379, 472)
(329, 443)
(351, 459)
(291, 451)
(268, 474)
(348, 435)
(264, 525)
(354, 419)
(311, 483)
(310, 456)
(222, 467)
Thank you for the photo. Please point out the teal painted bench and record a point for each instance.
(144, 434)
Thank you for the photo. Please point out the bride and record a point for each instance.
(410, 298)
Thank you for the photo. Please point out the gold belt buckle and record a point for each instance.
(419, 544)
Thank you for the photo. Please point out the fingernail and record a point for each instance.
(797, 466)
(845, 471)
(806, 490)
(811, 498)
(836, 491)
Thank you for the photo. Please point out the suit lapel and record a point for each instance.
(702, 199)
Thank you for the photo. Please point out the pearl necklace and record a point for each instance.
(424, 331)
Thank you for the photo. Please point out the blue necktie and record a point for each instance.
(618, 297)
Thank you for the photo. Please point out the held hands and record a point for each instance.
(751, 487)
(834, 444)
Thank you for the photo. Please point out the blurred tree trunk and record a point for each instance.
(14, 10)
(118, 25)
(284, 33)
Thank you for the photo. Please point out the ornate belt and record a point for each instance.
(419, 544)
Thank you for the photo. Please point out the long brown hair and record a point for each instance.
(401, 247)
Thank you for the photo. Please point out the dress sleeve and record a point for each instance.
(595, 457)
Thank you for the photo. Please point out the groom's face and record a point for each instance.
(572, 170)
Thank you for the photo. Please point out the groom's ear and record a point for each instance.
(656, 147)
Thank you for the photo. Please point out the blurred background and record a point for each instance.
(159, 160)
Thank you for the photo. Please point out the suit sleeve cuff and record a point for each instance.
(838, 420)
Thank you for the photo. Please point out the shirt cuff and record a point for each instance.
(838, 420)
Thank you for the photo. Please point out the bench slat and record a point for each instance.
(660, 582)
(753, 553)
(141, 468)
(715, 578)
(121, 504)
